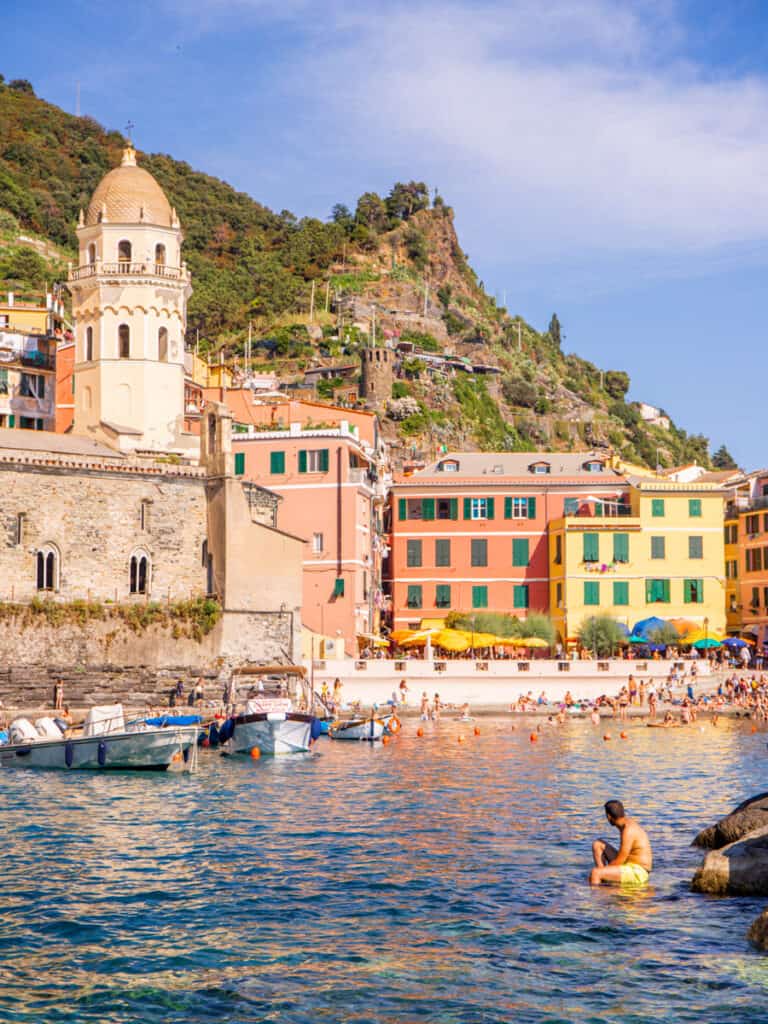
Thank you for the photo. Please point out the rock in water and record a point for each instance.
(758, 931)
(748, 816)
(739, 869)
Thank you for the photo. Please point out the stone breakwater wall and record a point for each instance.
(107, 660)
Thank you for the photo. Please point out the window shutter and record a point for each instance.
(695, 547)
(303, 461)
(508, 507)
(520, 554)
(338, 587)
(454, 508)
(467, 508)
(239, 463)
(694, 507)
(620, 592)
(520, 596)
(490, 506)
(591, 543)
(591, 592)
(621, 547)
(658, 547)
(442, 596)
(480, 597)
(531, 508)
(277, 462)
(657, 507)
(323, 460)
(427, 508)
(402, 509)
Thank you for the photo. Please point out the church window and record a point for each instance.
(88, 344)
(144, 515)
(162, 344)
(160, 255)
(124, 341)
(91, 254)
(48, 568)
(139, 573)
(124, 252)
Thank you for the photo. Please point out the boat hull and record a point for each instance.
(147, 750)
(369, 729)
(272, 733)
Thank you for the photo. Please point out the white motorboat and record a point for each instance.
(104, 743)
(267, 719)
(357, 729)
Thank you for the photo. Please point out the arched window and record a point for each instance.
(124, 252)
(48, 568)
(92, 253)
(124, 341)
(162, 344)
(88, 344)
(139, 573)
(160, 254)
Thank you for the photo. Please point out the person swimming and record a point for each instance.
(629, 865)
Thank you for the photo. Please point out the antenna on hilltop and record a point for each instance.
(129, 129)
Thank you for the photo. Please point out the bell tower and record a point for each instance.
(129, 300)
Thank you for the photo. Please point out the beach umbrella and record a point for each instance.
(684, 626)
(624, 629)
(534, 641)
(735, 641)
(646, 626)
(706, 643)
(508, 641)
(693, 638)
(451, 640)
(480, 639)
(398, 635)
(638, 639)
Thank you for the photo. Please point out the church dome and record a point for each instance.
(129, 195)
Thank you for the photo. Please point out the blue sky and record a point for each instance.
(606, 160)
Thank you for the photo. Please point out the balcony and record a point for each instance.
(127, 269)
(589, 510)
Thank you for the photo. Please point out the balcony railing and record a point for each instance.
(124, 268)
(590, 511)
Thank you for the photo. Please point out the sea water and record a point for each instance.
(424, 880)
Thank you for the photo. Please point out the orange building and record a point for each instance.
(748, 525)
(65, 387)
(469, 532)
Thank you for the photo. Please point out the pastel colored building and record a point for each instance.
(327, 476)
(748, 517)
(657, 550)
(65, 387)
(469, 531)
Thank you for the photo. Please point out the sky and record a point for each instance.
(606, 159)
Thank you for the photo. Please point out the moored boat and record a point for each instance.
(357, 729)
(103, 743)
(266, 719)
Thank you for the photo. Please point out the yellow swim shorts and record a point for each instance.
(633, 874)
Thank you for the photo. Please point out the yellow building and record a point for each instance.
(31, 314)
(732, 607)
(658, 549)
(206, 375)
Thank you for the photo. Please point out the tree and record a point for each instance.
(405, 200)
(21, 85)
(342, 215)
(554, 330)
(371, 213)
(616, 383)
(520, 392)
(664, 635)
(722, 459)
(601, 634)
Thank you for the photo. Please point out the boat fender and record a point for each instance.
(185, 754)
(227, 730)
(213, 734)
(102, 754)
(315, 729)
(69, 754)
(61, 724)
(394, 724)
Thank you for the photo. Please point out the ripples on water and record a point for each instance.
(422, 881)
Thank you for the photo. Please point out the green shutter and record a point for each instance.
(442, 552)
(442, 596)
(467, 508)
(454, 508)
(402, 508)
(658, 547)
(277, 462)
(694, 507)
(531, 508)
(620, 592)
(695, 547)
(12, 420)
(657, 591)
(479, 597)
(414, 596)
(621, 547)
(520, 552)
(413, 554)
(591, 592)
(479, 552)
(520, 596)
(427, 508)
(657, 507)
(302, 461)
(591, 545)
(239, 463)
(323, 460)
(490, 505)
(507, 507)
(338, 587)
(693, 591)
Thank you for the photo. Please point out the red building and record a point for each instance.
(469, 532)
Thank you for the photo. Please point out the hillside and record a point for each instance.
(393, 265)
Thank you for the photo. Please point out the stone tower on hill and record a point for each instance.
(378, 373)
(129, 298)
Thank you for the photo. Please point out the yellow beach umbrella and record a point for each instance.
(533, 641)
(480, 639)
(451, 640)
(700, 634)
(508, 641)
(398, 635)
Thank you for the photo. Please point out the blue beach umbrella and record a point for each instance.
(735, 641)
(646, 626)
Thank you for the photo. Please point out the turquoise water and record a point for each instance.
(425, 880)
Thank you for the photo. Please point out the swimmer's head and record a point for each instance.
(614, 810)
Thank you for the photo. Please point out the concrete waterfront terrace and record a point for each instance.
(469, 531)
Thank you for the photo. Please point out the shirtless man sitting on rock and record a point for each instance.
(632, 862)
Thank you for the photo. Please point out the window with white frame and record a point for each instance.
(317, 543)
(479, 508)
(519, 508)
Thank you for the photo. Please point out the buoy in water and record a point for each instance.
(623, 735)
(754, 728)
(385, 739)
(477, 731)
(255, 753)
(419, 731)
(534, 737)
(461, 737)
(607, 736)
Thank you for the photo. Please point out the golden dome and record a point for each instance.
(129, 195)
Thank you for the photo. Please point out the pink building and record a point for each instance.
(328, 479)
